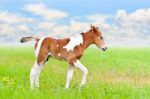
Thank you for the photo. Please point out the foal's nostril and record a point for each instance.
(104, 49)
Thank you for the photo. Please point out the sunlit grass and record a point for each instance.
(118, 73)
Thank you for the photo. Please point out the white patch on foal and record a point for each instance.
(37, 50)
(74, 41)
(58, 54)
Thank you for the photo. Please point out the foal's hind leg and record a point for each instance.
(39, 69)
(36, 70)
(34, 74)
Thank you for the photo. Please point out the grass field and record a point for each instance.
(118, 73)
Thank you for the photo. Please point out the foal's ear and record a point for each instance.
(92, 27)
(95, 29)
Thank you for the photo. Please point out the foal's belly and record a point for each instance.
(58, 56)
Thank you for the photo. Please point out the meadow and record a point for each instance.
(118, 73)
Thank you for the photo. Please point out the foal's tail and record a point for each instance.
(26, 39)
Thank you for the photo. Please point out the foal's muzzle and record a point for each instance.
(104, 48)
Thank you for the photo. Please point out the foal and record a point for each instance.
(68, 49)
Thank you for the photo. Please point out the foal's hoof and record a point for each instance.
(34, 88)
(31, 87)
(67, 89)
(81, 87)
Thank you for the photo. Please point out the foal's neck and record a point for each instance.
(87, 40)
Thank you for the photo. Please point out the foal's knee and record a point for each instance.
(85, 71)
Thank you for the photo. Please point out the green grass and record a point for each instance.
(118, 73)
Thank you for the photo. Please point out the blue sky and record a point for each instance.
(117, 19)
(79, 7)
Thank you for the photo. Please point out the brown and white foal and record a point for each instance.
(68, 49)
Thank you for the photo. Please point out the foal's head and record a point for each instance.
(97, 38)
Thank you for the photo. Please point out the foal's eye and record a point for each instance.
(101, 38)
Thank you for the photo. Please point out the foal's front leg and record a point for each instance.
(83, 69)
(69, 76)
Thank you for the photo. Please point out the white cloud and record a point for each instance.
(141, 16)
(47, 13)
(13, 25)
(23, 28)
(11, 18)
(6, 29)
(133, 24)
(78, 26)
(46, 25)
(60, 31)
(122, 25)
(99, 20)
